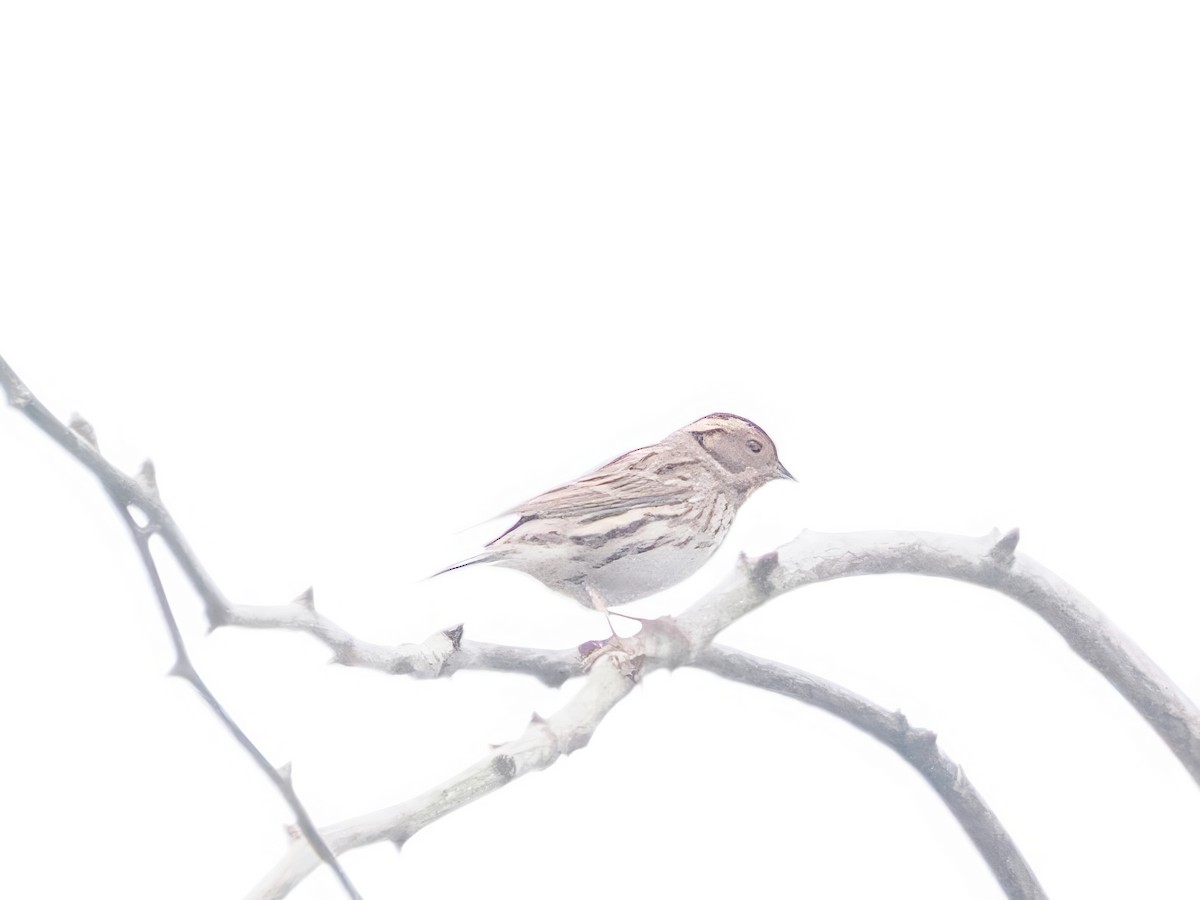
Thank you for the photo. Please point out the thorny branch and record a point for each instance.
(663, 644)
(990, 561)
(79, 439)
(916, 746)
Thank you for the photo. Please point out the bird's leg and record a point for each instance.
(663, 625)
(614, 646)
(600, 606)
(629, 617)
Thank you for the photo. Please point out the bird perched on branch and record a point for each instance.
(643, 522)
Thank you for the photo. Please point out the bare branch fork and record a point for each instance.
(79, 439)
(661, 644)
(990, 561)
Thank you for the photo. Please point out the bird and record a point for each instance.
(643, 522)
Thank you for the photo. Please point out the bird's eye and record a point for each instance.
(755, 446)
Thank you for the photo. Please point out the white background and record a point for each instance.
(359, 276)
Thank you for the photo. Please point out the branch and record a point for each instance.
(544, 741)
(79, 439)
(991, 562)
(441, 654)
(661, 643)
(917, 746)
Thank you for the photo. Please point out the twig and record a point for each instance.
(441, 654)
(79, 439)
(663, 643)
(991, 562)
(917, 746)
(666, 643)
(544, 742)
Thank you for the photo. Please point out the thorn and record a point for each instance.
(743, 562)
(1003, 550)
(343, 655)
(536, 719)
(293, 833)
(455, 635)
(306, 601)
(763, 567)
(83, 429)
(920, 742)
(180, 669)
(285, 772)
(922, 737)
(147, 478)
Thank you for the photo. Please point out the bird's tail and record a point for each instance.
(474, 560)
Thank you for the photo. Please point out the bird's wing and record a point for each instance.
(628, 482)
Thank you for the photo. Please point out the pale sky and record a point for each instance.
(358, 277)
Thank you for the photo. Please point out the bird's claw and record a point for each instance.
(618, 651)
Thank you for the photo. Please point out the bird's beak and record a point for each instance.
(781, 472)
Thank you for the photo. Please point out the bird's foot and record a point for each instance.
(661, 638)
(623, 653)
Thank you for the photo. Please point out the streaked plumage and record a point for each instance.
(643, 522)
